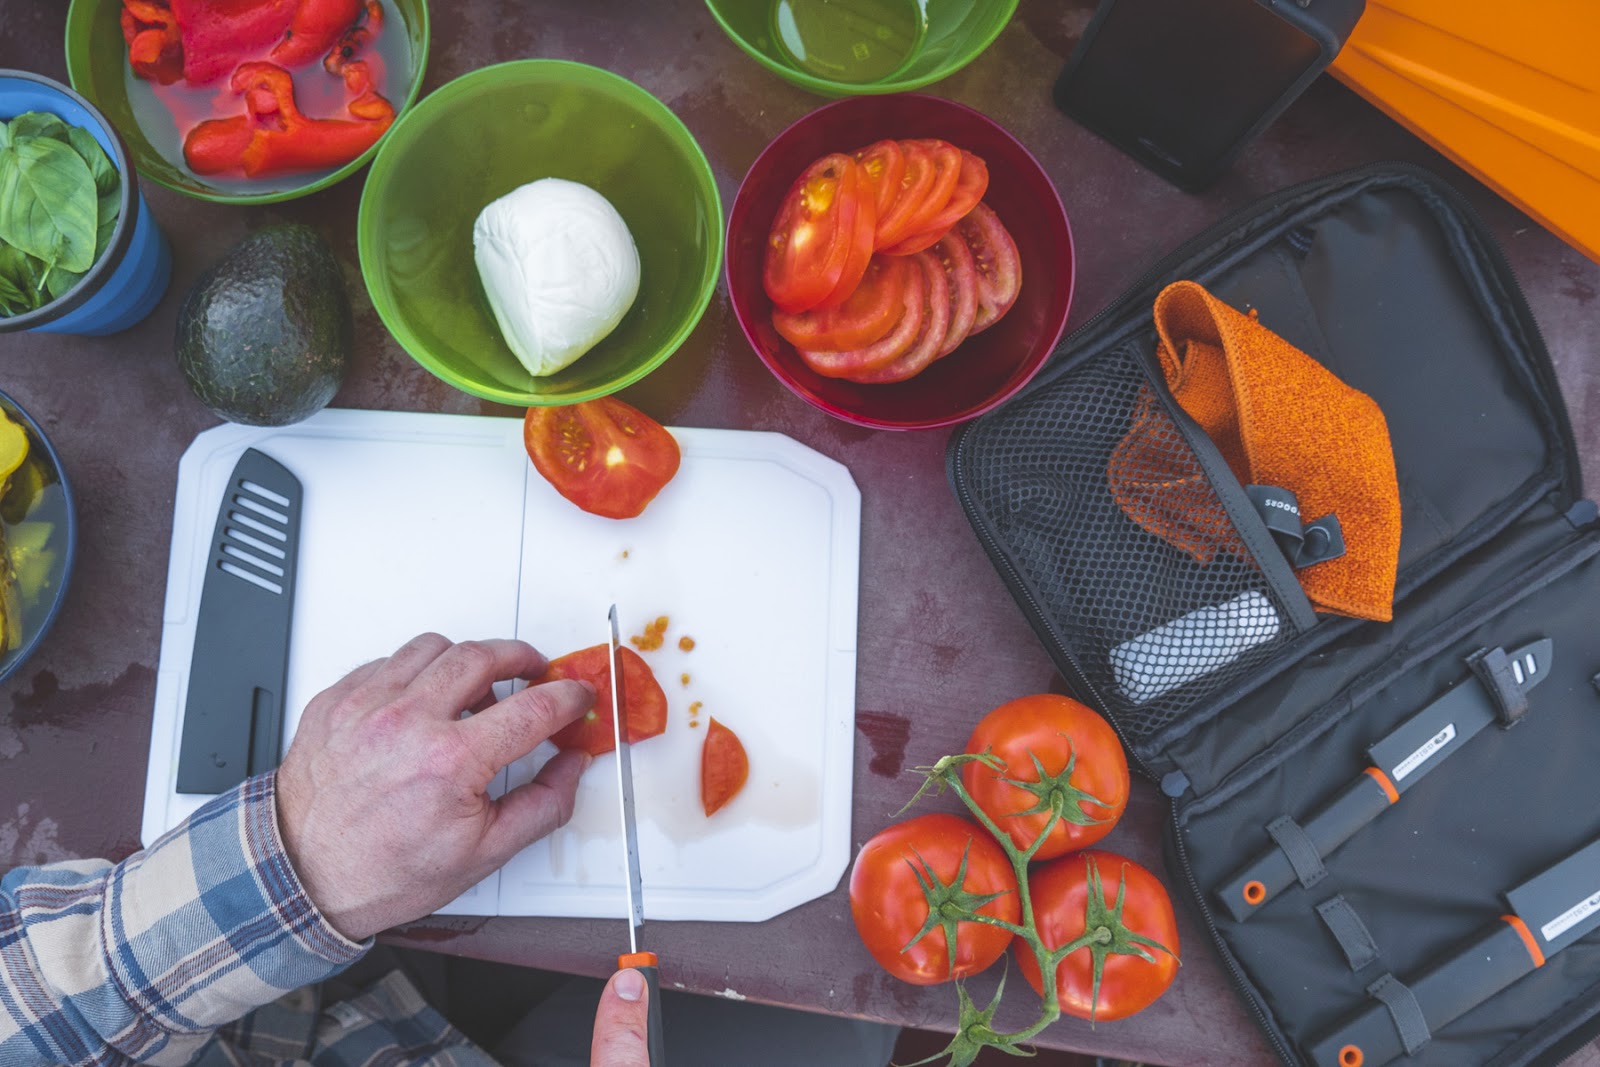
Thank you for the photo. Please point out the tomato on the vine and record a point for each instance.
(1085, 773)
(955, 863)
(1131, 954)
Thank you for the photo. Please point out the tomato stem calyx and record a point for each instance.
(950, 904)
(1056, 793)
(1105, 934)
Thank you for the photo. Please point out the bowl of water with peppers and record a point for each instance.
(254, 101)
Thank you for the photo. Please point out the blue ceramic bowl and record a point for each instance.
(52, 504)
(129, 278)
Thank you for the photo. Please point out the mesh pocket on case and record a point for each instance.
(1144, 578)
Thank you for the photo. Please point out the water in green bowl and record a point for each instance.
(853, 41)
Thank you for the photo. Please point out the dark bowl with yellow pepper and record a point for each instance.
(38, 535)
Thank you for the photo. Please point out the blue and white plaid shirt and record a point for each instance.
(203, 949)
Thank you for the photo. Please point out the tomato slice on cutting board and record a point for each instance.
(869, 313)
(644, 711)
(930, 336)
(817, 235)
(999, 266)
(907, 282)
(724, 767)
(971, 184)
(605, 456)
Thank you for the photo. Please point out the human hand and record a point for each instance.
(622, 1023)
(382, 797)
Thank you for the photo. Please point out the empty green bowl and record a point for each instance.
(500, 127)
(856, 47)
(97, 67)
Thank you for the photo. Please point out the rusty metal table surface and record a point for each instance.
(940, 638)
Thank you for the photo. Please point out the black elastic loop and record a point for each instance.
(1493, 668)
(1351, 933)
(1404, 1011)
(1303, 855)
(1302, 544)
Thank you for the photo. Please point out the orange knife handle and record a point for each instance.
(645, 964)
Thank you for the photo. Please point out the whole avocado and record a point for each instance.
(264, 337)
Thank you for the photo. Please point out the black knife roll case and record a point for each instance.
(1243, 704)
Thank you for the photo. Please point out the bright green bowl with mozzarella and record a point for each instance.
(498, 128)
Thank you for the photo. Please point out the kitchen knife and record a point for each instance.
(233, 715)
(1548, 913)
(1400, 760)
(645, 962)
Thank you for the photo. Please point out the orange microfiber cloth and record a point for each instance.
(1280, 419)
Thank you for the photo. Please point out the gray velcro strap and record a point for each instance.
(1303, 855)
(1348, 929)
(1404, 1010)
(1493, 668)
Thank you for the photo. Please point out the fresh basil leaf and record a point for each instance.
(5, 135)
(24, 273)
(13, 301)
(59, 282)
(107, 207)
(100, 165)
(39, 124)
(47, 202)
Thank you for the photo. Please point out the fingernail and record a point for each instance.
(630, 984)
(593, 692)
(587, 759)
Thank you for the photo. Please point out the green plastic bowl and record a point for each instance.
(497, 128)
(97, 67)
(861, 47)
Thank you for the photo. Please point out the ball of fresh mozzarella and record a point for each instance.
(559, 267)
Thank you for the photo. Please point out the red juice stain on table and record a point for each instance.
(167, 113)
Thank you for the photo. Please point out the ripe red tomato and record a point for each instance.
(999, 266)
(930, 337)
(870, 313)
(971, 183)
(907, 280)
(644, 708)
(1058, 731)
(820, 241)
(911, 195)
(961, 271)
(945, 159)
(1086, 885)
(891, 909)
(885, 164)
(724, 767)
(605, 456)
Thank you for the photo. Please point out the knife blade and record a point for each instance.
(645, 962)
(233, 714)
(1548, 912)
(1403, 757)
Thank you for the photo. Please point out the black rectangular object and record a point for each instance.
(1184, 85)
(233, 713)
(1385, 276)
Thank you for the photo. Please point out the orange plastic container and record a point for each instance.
(1511, 92)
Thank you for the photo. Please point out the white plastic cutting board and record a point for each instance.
(415, 522)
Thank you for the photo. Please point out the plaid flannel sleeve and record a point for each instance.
(101, 964)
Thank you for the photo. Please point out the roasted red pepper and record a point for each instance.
(218, 34)
(355, 40)
(273, 136)
(317, 25)
(155, 50)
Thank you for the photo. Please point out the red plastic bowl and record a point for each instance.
(986, 369)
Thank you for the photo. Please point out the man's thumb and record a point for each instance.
(621, 1023)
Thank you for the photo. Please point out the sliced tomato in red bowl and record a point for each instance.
(866, 315)
(906, 281)
(985, 368)
(999, 267)
(924, 348)
(816, 235)
(971, 184)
